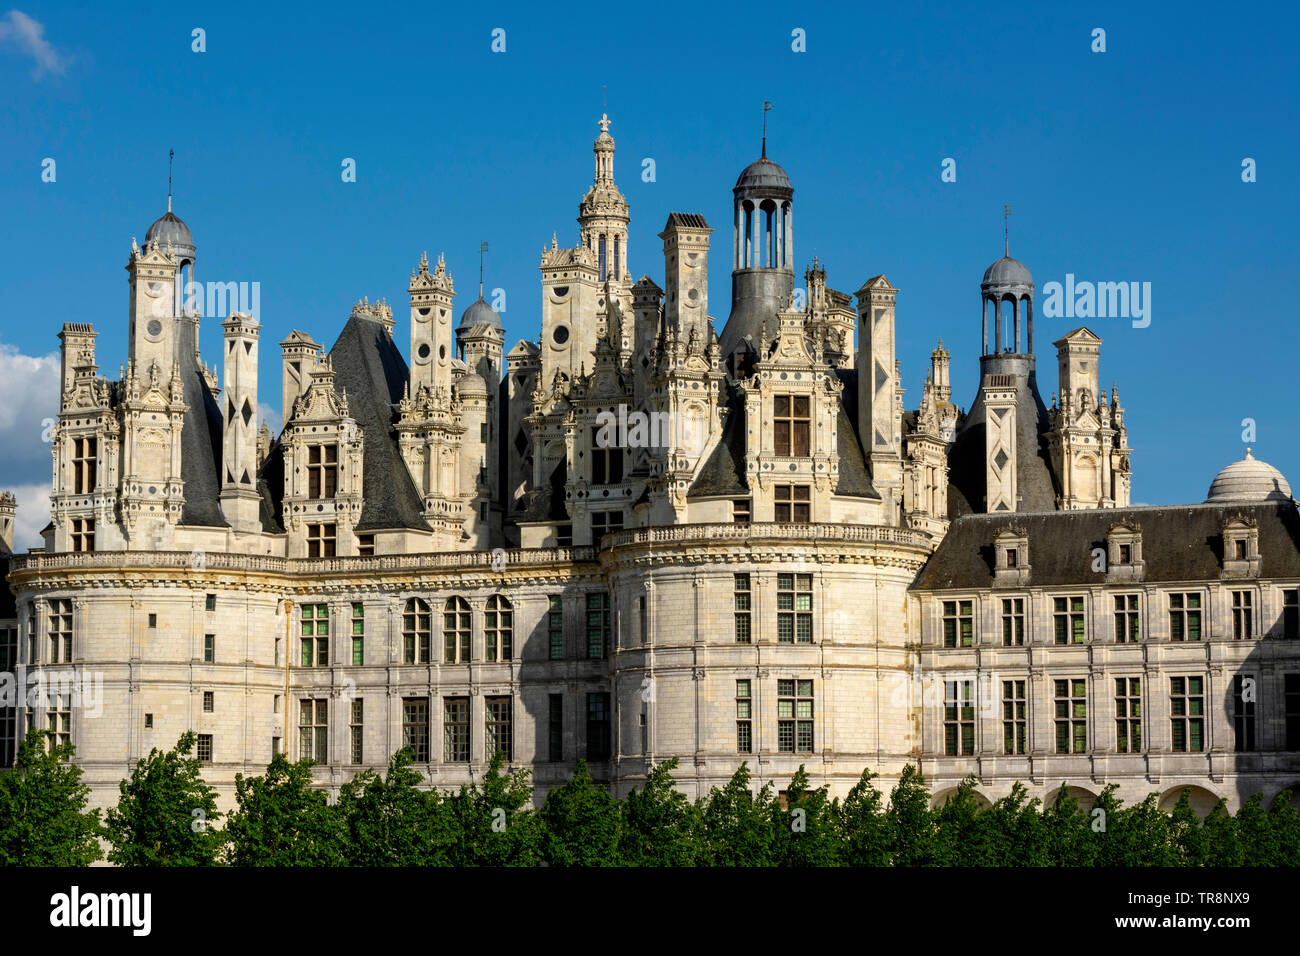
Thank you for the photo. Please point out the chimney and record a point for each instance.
(8, 512)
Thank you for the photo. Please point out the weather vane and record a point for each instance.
(766, 106)
(481, 250)
(171, 154)
(1006, 232)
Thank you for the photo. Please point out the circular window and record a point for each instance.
(424, 351)
(442, 351)
(693, 294)
(561, 334)
(154, 328)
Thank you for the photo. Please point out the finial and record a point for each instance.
(1248, 454)
(171, 154)
(1006, 233)
(482, 248)
(766, 106)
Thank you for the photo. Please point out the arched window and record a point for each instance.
(456, 631)
(416, 630)
(499, 629)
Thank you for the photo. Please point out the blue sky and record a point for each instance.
(1120, 166)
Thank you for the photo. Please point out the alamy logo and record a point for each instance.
(216, 298)
(73, 909)
(1101, 300)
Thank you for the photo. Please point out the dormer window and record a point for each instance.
(792, 426)
(1011, 557)
(1241, 558)
(322, 471)
(1123, 550)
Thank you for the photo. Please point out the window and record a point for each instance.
(483, 432)
(1291, 613)
(31, 634)
(794, 712)
(606, 460)
(597, 624)
(210, 603)
(740, 511)
(1184, 617)
(499, 628)
(321, 540)
(644, 723)
(456, 632)
(794, 621)
(315, 635)
(600, 246)
(1126, 619)
(455, 729)
(1126, 554)
(322, 471)
(1071, 716)
(603, 522)
(958, 624)
(555, 627)
(744, 718)
(1013, 558)
(313, 730)
(60, 631)
(275, 746)
(415, 727)
(744, 597)
(1068, 614)
(643, 617)
(1128, 715)
(355, 728)
(1291, 702)
(555, 726)
(209, 702)
(153, 620)
(1240, 549)
(358, 634)
(9, 649)
(365, 545)
(958, 718)
(148, 721)
(1187, 714)
(209, 648)
(84, 462)
(1013, 623)
(498, 737)
(1243, 614)
(598, 737)
(60, 718)
(793, 504)
(1243, 713)
(1014, 716)
(204, 749)
(416, 631)
(791, 425)
(8, 736)
(83, 534)
(564, 535)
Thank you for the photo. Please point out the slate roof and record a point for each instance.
(1036, 484)
(200, 438)
(1179, 543)
(369, 367)
(724, 471)
(855, 480)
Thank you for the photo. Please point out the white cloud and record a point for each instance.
(28, 35)
(29, 404)
(33, 515)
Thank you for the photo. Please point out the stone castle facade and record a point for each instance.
(639, 538)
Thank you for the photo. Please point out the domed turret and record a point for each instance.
(477, 317)
(1249, 480)
(171, 229)
(1006, 274)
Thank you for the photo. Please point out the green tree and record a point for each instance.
(1286, 826)
(864, 830)
(43, 815)
(961, 830)
(911, 822)
(805, 832)
(1222, 847)
(660, 826)
(1068, 831)
(391, 821)
(1015, 830)
(1188, 839)
(166, 814)
(737, 828)
(497, 824)
(583, 822)
(281, 820)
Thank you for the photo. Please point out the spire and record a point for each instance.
(171, 154)
(483, 247)
(766, 106)
(1006, 232)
